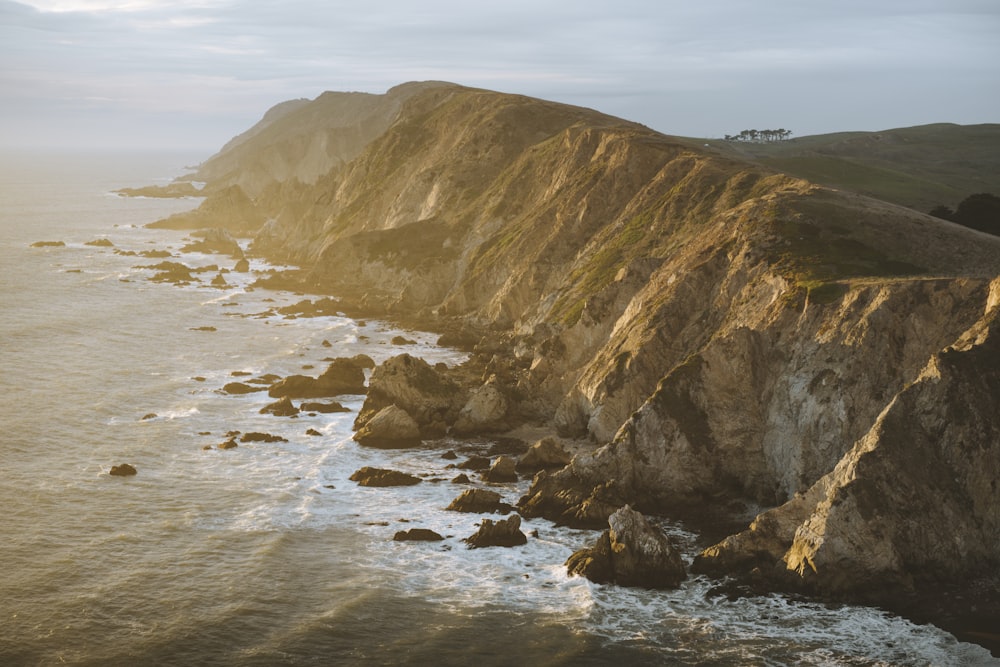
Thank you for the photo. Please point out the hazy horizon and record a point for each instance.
(190, 75)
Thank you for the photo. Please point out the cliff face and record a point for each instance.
(722, 333)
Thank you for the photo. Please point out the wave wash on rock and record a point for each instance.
(725, 335)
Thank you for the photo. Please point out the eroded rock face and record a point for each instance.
(392, 427)
(914, 501)
(763, 412)
(632, 552)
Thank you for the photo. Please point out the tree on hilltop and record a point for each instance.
(759, 136)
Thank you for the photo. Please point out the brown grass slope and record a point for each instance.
(918, 167)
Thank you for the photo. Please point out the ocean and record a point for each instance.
(267, 554)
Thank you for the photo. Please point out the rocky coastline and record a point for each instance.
(807, 376)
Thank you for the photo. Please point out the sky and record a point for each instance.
(191, 74)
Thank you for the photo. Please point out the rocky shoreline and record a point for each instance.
(809, 375)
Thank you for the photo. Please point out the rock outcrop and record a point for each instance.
(479, 501)
(342, 376)
(502, 533)
(392, 427)
(632, 552)
(428, 396)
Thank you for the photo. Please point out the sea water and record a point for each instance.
(268, 554)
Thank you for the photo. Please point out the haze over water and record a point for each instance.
(267, 554)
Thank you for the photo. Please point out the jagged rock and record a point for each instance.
(412, 384)
(100, 243)
(484, 411)
(503, 533)
(324, 408)
(148, 416)
(502, 470)
(242, 266)
(312, 431)
(544, 454)
(123, 470)
(283, 407)
(241, 388)
(402, 340)
(229, 444)
(417, 535)
(342, 376)
(461, 479)
(392, 427)
(369, 476)
(479, 501)
(631, 552)
(219, 281)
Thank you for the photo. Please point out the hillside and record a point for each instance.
(720, 338)
(918, 167)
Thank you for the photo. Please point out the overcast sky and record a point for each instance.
(193, 73)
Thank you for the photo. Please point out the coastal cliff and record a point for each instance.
(723, 338)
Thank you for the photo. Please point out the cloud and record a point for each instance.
(698, 68)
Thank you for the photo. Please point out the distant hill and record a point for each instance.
(918, 167)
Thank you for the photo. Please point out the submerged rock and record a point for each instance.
(503, 533)
(324, 408)
(48, 244)
(241, 388)
(417, 535)
(369, 476)
(631, 552)
(256, 436)
(122, 470)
